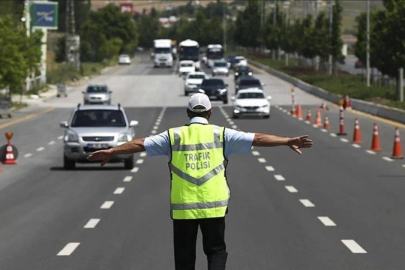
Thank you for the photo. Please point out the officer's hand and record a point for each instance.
(103, 155)
(299, 142)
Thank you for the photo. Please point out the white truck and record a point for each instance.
(162, 53)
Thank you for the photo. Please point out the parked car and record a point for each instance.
(242, 71)
(185, 67)
(92, 128)
(97, 94)
(124, 60)
(251, 102)
(215, 89)
(220, 67)
(193, 82)
(244, 82)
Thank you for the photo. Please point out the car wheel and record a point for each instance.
(185, 93)
(68, 164)
(266, 116)
(225, 101)
(129, 163)
(234, 116)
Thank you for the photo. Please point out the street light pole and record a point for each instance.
(368, 44)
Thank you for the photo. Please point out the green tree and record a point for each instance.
(248, 30)
(336, 38)
(148, 28)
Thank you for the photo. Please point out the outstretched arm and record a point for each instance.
(295, 143)
(131, 147)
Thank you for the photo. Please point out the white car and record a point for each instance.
(240, 61)
(185, 67)
(220, 67)
(193, 82)
(251, 102)
(124, 60)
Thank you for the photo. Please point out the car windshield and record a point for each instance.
(97, 89)
(98, 118)
(220, 64)
(186, 65)
(196, 76)
(162, 50)
(124, 56)
(250, 82)
(250, 95)
(243, 69)
(212, 83)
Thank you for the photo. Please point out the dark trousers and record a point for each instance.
(185, 238)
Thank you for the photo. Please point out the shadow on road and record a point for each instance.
(89, 169)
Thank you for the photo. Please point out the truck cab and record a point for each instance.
(162, 53)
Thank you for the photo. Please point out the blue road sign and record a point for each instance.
(44, 15)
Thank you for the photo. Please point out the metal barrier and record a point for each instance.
(5, 107)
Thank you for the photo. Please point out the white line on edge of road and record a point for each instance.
(139, 161)
(135, 169)
(333, 135)
(291, 189)
(261, 160)
(128, 178)
(270, 168)
(370, 152)
(353, 246)
(279, 177)
(92, 223)
(327, 221)
(60, 137)
(40, 149)
(344, 140)
(255, 153)
(356, 145)
(107, 205)
(307, 203)
(51, 142)
(28, 155)
(119, 191)
(387, 159)
(68, 249)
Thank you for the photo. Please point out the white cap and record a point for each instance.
(199, 100)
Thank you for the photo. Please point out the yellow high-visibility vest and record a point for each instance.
(198, 181)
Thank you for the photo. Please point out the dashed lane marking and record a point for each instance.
(155, 127)
(327, 221)
(353, 246)
(143, 154)
(128, 178)
(403, 165)
(51, 142)
(231, 123)
(344, 140)
(135, 169)
(234, 127)
(261, 160)
(370, 152)
(356, 145)
(68, 249)
(387, 159)
(153, 132)
(107, 205)
(119, 190)
(333, 135)
(291, 189)
(40, 149)
(307, 203)
(28, 155)
(307, 122)
(279, 177)
(139, 161)
(270, 168)
(60, 137)
(255, 153)
(324, 130)
(92, 223)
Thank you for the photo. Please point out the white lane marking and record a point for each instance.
(143, 154)
(255, 153)
(387, 159)
(279, 177)
(107, 205)
(270, 168)
(128, 178)
(333, 135)
(315, 126)
(40, 149)
(135, 169)
(344, 140)
(153, 131)
(403, 165)
(353, 246)
(119, 190)
(370, 152)
(324, 130)
(356, 145)
(307, 203)
(231, 123)
(92, 223)
(327, 221)
(60, 137)
(234, 126)
(139, 161)
(291, 189)
(28, 155)
(51, 142)
(261, 160)
(155, 127)
(307, 122)
(68, 249)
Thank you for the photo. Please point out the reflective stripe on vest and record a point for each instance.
(199, 188)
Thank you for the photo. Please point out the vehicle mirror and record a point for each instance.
(201, 91)
(268, 97)
(263, 84)
(133, 123)
(233, 98)
(64, 124)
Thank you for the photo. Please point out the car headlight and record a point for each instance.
(222, 91)
(238, 107)
(236, 74)
(250, 73)
(264, 106)
(71, 136)
(124, 137)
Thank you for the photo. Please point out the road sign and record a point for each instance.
(44, 15)
(126, 7)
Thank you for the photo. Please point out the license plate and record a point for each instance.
(98, 145)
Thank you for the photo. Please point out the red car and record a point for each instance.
(358, 64)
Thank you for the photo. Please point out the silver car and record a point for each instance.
(93, 128)
(97, 94)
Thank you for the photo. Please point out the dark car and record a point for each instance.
(231, 60)
(242, 71)
(215, 89)
(245, 82)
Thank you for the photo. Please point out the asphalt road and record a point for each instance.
(283, 206)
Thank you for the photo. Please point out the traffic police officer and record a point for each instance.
(198, 155)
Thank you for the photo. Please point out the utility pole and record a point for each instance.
(317, 60)
(330, 34)
(274, 24)
(72, 40)
(27, 18)
(401, 84)
(224, 25)
(368, 45)
(287, 24)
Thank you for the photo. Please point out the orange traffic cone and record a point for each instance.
(318, 120)
(375, 144)
(341, 123)
(293, 112)
(309, 116)
(324, 107)
(299, 112)
(326, 123)
(356, 134)
(347, 104)
(9, 149)
(397, 151)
